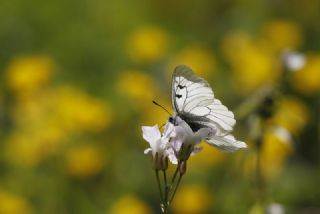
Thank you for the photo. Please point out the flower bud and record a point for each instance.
(185, 152)
(160, 162)
(183, 167)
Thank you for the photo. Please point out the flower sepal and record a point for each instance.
(160, 162)
(185, 152)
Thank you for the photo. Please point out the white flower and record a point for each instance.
(184, 140)
(293, 60)
(275, 208)
(158, 143)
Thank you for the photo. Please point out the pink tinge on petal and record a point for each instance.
(172, 156)
(196, 150)
(168, 130)
(180, 133)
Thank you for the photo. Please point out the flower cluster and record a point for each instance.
(176, 144)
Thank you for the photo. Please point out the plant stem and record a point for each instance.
(166, 192)
(175, 188)
(159, 186)
(175, 173)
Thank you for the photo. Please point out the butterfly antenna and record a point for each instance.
(157, 104)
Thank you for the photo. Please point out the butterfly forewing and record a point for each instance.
(193, 100)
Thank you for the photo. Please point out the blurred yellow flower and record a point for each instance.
(29, 147)
(28, 74)
(250, 162)
(45, 122)
(200, 59)
(85, 160)
(79, 111)
(208, 157)
(138, 86)
(292, 114)
(147, 44)
(274, 153)
(252, 66)
(307, 80)
(154, 114)
(257, 208)
(37, 132)
(192, 199)
(13, 204)
(129, 204)
(281, 35)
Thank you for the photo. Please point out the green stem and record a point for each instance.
(159, 186)
(175, 173)
(175, 188)
(260, 186)
(166, 187)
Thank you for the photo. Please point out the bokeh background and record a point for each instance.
(76, 83)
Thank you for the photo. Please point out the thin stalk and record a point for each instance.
(175, 173)
(258, 172)
(159, 186)
(166, 187)
(175, 188)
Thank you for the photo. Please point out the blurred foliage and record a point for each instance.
(76, 84)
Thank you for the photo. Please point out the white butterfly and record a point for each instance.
(193, 101)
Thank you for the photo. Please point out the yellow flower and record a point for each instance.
(208, 157)
(79, 111)
(147, 44)
(281, 35)
(250, 162)
(274, 154)
(129, 204)
(200, 59)
(292, 114)
(192, 200)
(13, 204)
(252, 66)
(85, 161)
(138, 86)
(28, 74)
(272, 164)
(37, 131)
(307, 80)
(29, 147)
(154, 114)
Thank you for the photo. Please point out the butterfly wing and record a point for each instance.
(227, 143)
(193, 100)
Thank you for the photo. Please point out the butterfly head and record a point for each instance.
(172, 119)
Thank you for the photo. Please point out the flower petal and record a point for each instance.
(146, 151)
(184, 125)
(172, 156)
(151, 134)
(196, 150)
(168, 130)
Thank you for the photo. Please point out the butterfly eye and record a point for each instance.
(171, 120)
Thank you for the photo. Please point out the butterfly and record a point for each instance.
(194, 102)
